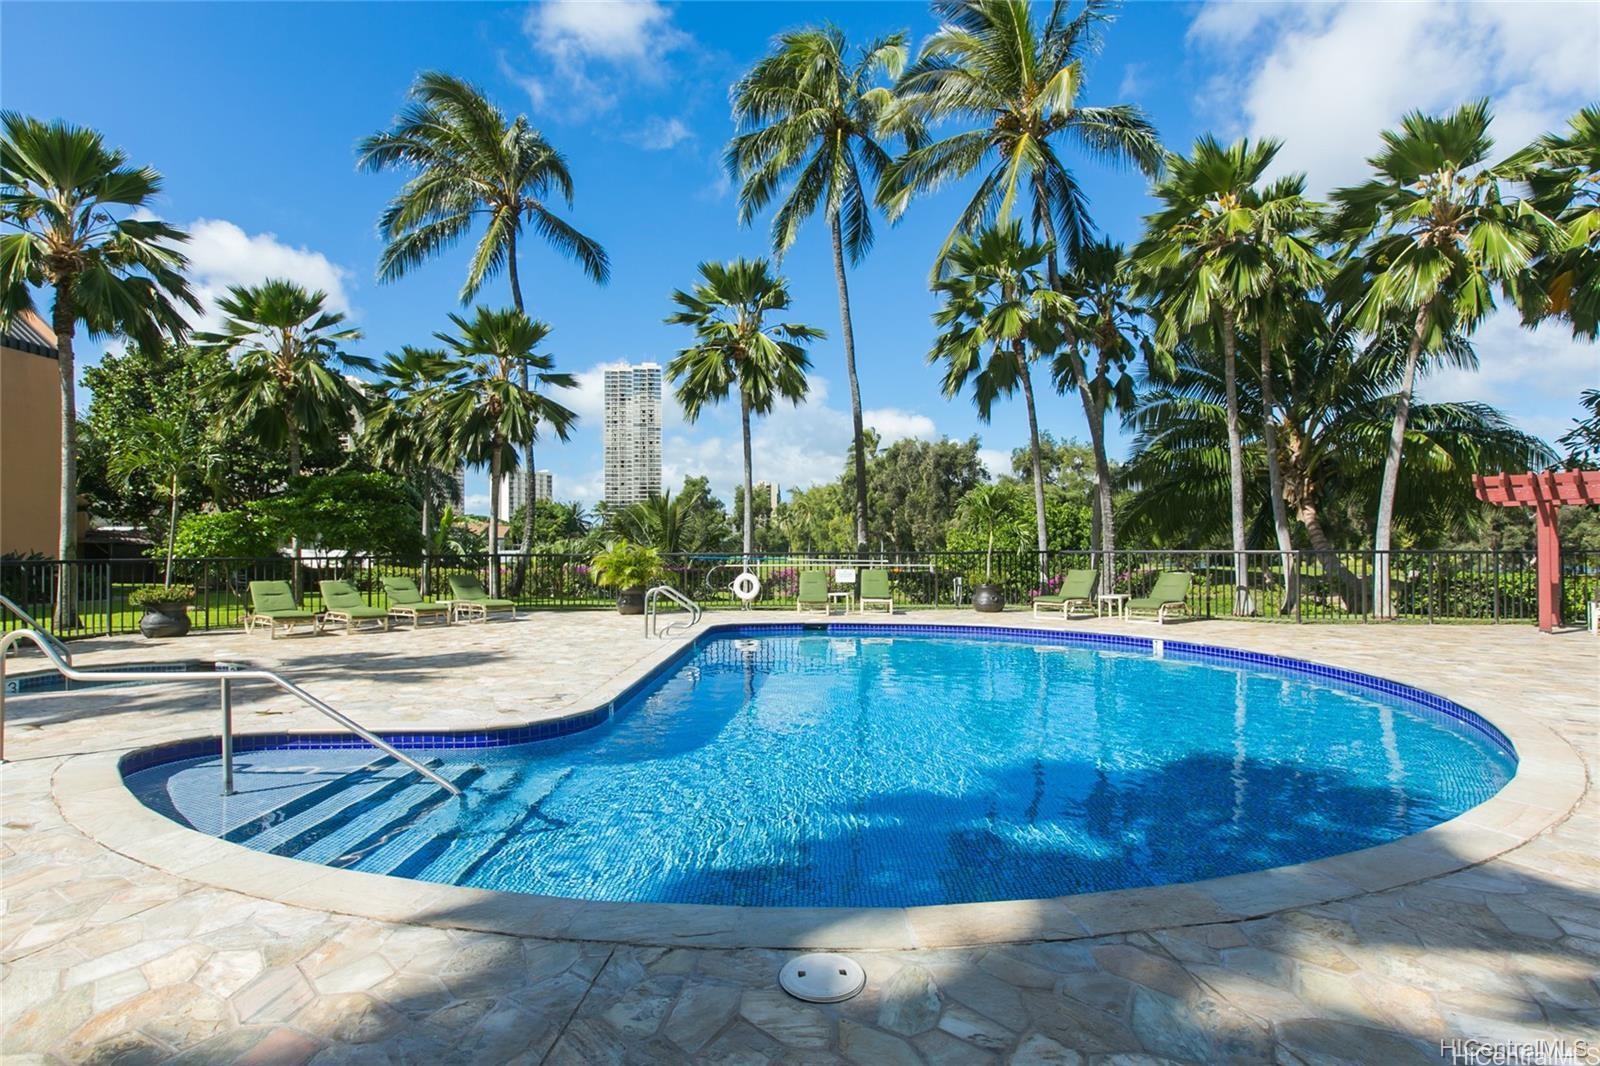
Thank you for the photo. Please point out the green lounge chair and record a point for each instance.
(875, 590)
(272, 604)
(1077, 590)
(406, 602)
(342, 604)
(469, 599)
(813, 594)
(1166, 596)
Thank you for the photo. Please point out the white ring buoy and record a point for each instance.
(746, 586)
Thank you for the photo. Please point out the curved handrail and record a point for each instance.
(11, 605)
(675, 596)
(227, 674)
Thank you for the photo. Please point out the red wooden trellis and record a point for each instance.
(1545, 493)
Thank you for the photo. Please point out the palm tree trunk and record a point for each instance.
(427, 530)
(1350, 586)
(494, 517)
(528, 480)
(1241, 572)
(749, 487)
(847, 332)
(1094, 412)
(66, 607)
(1280, 509)
(294, 472)
(172, 532)
(1038, 464)
(1383, 530)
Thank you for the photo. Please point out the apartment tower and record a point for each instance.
(633, 434)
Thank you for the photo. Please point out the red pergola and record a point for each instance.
(1545, 493)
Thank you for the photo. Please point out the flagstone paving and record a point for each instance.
(108, 960)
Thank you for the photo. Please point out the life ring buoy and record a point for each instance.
(746, 586)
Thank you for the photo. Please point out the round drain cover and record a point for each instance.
(822, 977)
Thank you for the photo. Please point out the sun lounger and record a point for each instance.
(813, 594)
(875, 590)
(471, 600)
(406, 602)
(1166, 597)
(272, 604)
(1077, 590)
(343, 605)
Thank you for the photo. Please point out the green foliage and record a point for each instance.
(692, 521)
(239, 534)
(1582, 441)
(155, 595)
(1067, 519)
(626, 566)
(376, 514)
(915, 486)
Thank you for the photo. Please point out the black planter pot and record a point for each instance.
(630, 601)
(988, 599)
(164, 620)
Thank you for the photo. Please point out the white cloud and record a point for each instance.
(591, 51)
(996, 460)
(1532, 375)
(222, 255)
(1328, 78)
(893, 424)
(657, 134)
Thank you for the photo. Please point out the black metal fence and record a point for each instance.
(1425, 586)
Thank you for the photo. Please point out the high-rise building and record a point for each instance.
(461, 484)
(633, 434)
(513, 489)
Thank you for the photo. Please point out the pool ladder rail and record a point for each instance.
(652, 604)
(224, 676)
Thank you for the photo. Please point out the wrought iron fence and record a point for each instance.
(1305, 586)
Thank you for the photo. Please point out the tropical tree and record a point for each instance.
(1424, 242)
(1015, 86)
(1221, 244)
(1563, 175)
(68, 223)
(998, 316)
(286, 352)
(660, 522)
(163, 449)
(987, 507)
(1335, 392)
(469, 163)
(736, 350)
(810, 116)
(1109, 336)
(478, 392)
(404, 435)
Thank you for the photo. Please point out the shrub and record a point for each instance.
(242, 534)
(626, 566)
(151, 595)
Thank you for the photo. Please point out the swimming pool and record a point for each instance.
(877, 766)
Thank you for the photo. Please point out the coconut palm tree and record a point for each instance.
(1219, 244)
(287, 353)
(1014, 86)
(998, 316)
(477, 392)
(1562, 171)
(737, 350)
(469, 163)
(1423, 243)
(810, 118)
(1109, 336)
(68, 207)
(1335, 393)
(405, 436)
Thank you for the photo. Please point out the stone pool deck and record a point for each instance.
(107, 958)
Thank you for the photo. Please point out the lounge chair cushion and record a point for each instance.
(1076, 587)
(813, 587)
(875, 585)
(275, 599)
(1169, 588)
(468, 589)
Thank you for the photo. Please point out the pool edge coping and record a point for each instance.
(1550, 781)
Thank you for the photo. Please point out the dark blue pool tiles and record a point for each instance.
(504, 736)
(52, 681)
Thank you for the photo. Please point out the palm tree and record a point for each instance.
(67, 207)
(1563, 175)
(1209, 255)
(1335, 399)
(287, 351)
(1424, 241)
(162, 449)
(660, 522)
(406, 437)
(1015, 85)
(998, 316)
(1109, 335)
(470, 162)
(811, 116)
(478, 394)
(736, 349)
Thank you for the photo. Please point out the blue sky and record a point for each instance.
(252, 112)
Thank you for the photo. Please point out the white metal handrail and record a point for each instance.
(11, 605)
(650, 598)
(226, 674)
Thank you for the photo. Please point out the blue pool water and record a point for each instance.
(837, 769)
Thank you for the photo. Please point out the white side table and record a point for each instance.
(1113, 603)
(847, 598)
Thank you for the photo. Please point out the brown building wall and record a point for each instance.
(30, 450)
